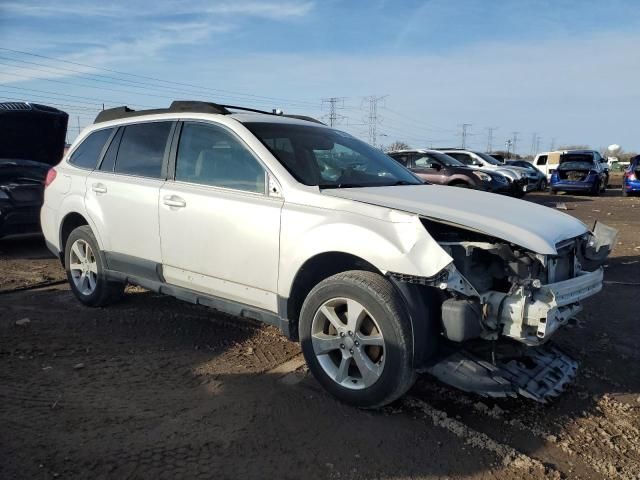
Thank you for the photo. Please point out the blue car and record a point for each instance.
(578, 172)
(631, 178)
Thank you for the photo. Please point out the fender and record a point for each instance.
(399, 243)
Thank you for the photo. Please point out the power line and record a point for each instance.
(159, 80)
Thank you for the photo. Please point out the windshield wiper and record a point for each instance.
(404, 182)
(339, 185)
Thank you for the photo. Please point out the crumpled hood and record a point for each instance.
(534, 227)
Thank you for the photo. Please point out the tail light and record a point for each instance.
(631, 176)
(51, 176)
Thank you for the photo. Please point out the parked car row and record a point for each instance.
(467, 169)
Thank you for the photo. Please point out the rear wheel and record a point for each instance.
(543, 184)
(357, 340)
(85, 267)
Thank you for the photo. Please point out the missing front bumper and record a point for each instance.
(532, 317)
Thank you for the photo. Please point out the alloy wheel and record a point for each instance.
(348, 343)
(83, 267)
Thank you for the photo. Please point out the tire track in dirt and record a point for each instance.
(604, 441)
(508, 456)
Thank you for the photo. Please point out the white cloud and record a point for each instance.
(272, 9)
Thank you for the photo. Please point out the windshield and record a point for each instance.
(576, 165)
(526, 165)
(488, 158)
(576, 157)
(329, 158)
(445, 159)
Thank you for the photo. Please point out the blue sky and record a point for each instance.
(564, 70)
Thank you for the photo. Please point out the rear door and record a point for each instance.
(122, 196)
(220, 230)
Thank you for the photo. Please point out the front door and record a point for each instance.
(430, 169)
(220, 230)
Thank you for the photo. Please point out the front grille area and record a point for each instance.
(562, 266)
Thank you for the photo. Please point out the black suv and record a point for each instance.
(33, 139)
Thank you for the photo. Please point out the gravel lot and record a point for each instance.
(156, 388)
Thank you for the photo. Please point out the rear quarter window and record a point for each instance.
(90, 150)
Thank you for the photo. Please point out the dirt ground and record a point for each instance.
(156, 388)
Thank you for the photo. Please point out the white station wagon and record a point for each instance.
(282, 219)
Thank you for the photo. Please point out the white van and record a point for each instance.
(547, 162)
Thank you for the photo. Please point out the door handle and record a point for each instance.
(174, 201)
(99, 188)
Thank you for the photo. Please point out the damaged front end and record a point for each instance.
(515, 299)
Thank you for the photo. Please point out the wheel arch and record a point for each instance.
(69, 223)
(311, 272)
(422, 303)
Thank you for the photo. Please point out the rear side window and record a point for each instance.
(89, 151)
(142, 149)
(542, 160)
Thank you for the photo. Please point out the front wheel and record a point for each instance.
(543, 185)
(357, 340)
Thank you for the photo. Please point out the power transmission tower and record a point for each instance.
(465, 127)
(373, 118)
(534, 141)
(514, 142)
(334, 104)
(490, 131)
(538, 141)
(552, 147)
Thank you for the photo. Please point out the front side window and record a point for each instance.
(329, 158)
(427, 162)
(211, 155)
(142, 149)
(542, 160)
(89, 151)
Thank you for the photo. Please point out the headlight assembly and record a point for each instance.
(483, 176)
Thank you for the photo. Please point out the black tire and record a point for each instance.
(595, 190)
(543, 184)
(385, 304)
(106, 291)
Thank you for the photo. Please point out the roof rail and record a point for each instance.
(176, 106)
(192, 106)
